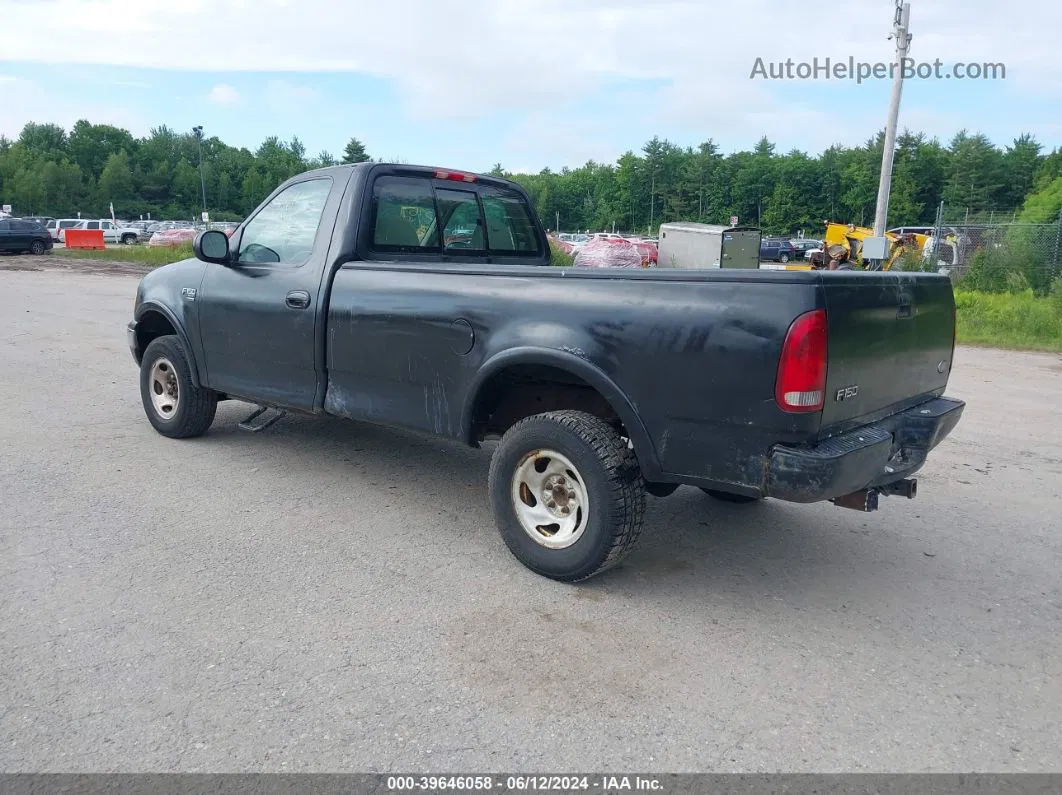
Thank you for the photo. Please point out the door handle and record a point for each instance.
(298, 299)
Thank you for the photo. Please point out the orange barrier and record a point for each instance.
(84, 238)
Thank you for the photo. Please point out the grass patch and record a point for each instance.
(1009, 320)
(139, 254)
(557, 256)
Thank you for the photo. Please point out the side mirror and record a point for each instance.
(212, 246)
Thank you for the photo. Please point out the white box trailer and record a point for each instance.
(691, 245)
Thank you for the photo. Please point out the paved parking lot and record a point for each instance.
(332, 596)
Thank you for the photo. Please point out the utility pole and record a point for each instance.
(202, 180)
(652, 201)
(901, 22)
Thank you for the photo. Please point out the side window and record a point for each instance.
(404, 215)
(285, 229)
(462, 223)
(510, 229)
(92, 225)
(5, 226)
(106, 225)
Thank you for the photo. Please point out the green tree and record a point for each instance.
(975, 178)
(323, 160)
(185, 188)
(44, 139)
(1044, 205)
(354, 152)
(1020, 162)
(116, 184)
(90, 145)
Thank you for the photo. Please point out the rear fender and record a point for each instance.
(576, 366)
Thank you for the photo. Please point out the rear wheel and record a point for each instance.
(174, 405)
(567, 494)
(726, 496)
(37, 247)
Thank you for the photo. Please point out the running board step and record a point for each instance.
(248, 424)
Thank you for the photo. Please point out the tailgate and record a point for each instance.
(890, 341)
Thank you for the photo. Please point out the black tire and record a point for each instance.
(195, 406)
(609, 475)
(784, 258)
(37, 248)
(128, 240)
(726, 496)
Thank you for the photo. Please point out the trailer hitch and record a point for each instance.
(866, 500)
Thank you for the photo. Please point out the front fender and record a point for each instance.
(576, 366)
(182, 333)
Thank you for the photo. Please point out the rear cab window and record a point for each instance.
(425, 215)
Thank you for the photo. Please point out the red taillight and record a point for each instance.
(801, 384)
(456, 176)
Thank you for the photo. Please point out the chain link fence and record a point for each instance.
(992, 251)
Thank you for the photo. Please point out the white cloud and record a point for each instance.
(223, 94)
(484, 57)
(23, 101)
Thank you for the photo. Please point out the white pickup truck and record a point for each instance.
(112, 232)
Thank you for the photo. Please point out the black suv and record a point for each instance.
(18, 235)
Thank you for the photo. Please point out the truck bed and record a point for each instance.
(689, 357)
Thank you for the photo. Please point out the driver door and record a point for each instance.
(257, 316)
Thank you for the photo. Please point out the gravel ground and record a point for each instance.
(331, 596)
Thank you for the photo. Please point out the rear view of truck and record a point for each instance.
(873, 363)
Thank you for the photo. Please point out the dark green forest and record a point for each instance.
(50, 171)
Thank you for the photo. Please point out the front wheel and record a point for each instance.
(128, 240)
(784, 258)
(567, 494)
(174, 405)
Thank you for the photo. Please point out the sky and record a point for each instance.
(525, 83)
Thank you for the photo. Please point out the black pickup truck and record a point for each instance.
(425, 298)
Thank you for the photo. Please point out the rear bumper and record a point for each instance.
(873, 455)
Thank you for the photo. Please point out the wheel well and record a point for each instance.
(151, 326)
(522, 391)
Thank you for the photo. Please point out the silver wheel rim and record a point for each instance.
(165, 389)
(550, 499)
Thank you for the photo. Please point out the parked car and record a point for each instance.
(112, 232)
(18, 235)
(172, 237)
(776, 250)
(228, 227)
(56, 225)
(648, 249)
(165, 226)
(600, 386)
(610, 252)
(801, 246)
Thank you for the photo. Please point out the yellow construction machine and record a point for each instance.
(844, 243)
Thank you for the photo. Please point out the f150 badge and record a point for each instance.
(188, 293)
(846, 393)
